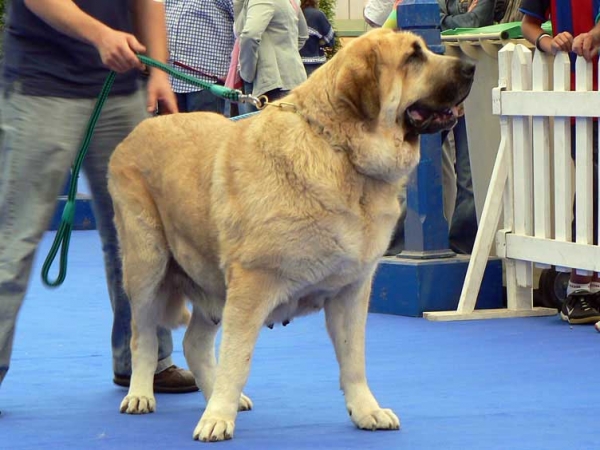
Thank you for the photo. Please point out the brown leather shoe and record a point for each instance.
(172, 380)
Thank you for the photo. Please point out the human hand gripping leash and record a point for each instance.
(63, 235)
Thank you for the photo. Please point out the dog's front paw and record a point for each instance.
(245, 403)
(378, 419)
(213, 429)
(135, 404)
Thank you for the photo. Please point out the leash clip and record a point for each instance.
(259, 102)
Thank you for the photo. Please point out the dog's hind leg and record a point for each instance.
(199, 350)
(346, 316)
(145, 255)
(251, 296)
(144, 356)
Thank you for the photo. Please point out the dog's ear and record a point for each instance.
(357, 81)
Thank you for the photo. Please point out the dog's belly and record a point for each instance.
(286, 312)
(311, 298)
(207, 292)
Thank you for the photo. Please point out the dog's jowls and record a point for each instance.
(275, 216)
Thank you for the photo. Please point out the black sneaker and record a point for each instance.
(580, 307)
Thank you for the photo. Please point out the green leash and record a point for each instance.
(63, 235)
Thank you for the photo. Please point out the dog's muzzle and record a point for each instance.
(423, 118)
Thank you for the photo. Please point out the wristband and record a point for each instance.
(539, 38)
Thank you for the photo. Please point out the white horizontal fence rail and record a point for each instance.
(533, 182)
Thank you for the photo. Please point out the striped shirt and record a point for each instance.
(200, 40)
(574, 16)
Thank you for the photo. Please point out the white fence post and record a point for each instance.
(563, 184)
(542, 153)
(583, 161)
(522, 170)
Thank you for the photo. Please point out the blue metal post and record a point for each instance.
(425, 227)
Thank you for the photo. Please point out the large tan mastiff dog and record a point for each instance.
(275, 216)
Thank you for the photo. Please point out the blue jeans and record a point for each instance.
(40, 138)
(463, 226)
(203, 100)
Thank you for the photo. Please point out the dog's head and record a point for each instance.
(393, 76)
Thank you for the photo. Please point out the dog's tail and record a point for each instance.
(174, 312)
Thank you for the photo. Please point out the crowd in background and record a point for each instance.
(263, 48)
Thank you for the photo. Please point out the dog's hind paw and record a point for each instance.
(133, 404)
(245, 403)
(380, 419)
(213, 429)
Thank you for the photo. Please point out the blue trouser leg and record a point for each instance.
(203, 100)
(463, 227)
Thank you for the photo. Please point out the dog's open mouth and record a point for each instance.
(423, 119)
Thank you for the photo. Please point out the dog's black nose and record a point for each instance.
(467, 69)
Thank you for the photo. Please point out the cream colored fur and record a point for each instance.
(264, 219)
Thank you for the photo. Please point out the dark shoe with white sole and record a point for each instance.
(581, 307)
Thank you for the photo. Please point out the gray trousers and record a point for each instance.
(40, 138)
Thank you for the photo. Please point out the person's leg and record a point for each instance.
(448, 174)
(119, 117)
(182, 105)
(205, 100)
(463, 226)
(40, 139)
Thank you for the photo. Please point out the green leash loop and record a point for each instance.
(63, 235)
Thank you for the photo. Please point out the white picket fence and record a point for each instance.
(534, 182)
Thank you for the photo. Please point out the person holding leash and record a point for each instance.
(57, 56)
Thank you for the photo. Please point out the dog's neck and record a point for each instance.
(372, 148)
(286, 106)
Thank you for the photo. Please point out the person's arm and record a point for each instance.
(257, 19)
(587, 44)
(480, 15)
(326, 31)
(151, 27)
(117, 49)
(531, 27)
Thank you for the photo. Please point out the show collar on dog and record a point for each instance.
(291, 107)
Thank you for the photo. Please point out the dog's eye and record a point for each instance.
(417, 54)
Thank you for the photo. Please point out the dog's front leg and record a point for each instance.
(346, 316)
(199, 351)
(250, 298)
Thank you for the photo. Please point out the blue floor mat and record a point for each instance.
(496, 384)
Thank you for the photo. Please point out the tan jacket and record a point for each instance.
(271, 33)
